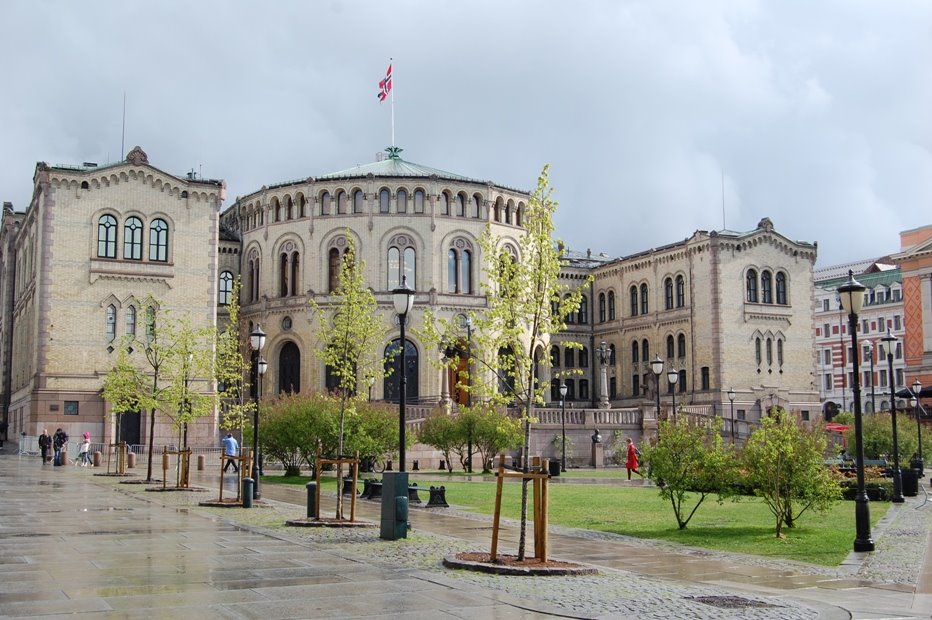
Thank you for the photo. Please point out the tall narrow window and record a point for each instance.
(476, 208)
(611, 305)
(466, 272)
(670, 347)
(757, 350)
(751, 286)
(295, 264)
(150, 323)
(132, 239)
(401, 261)
(644, 307)
(459, 267)
(359, 199)
(769, 352)
(111, 323)
(583, 310)
(333, 269)
(569, 358)
(584, 358)
(444, 203)
(681, 346)
(452, 270)
(766, 287)
(601, 307)
(645, 350)
(680, 291)
(635, 351)
(555, 356)
(460, 206)
(342, 203)
(780, 352)
(419, 201)
(225, 293)
(704, 374)
(401, 198)
(131, 321)
(570, 317)
(283, 273)
(781, 288)
(158, 241)
(383, 201)
(106, 236)
(325, 203)
(668, 293)
(634, 300)
(611, 355)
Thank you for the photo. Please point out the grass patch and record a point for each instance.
(743, 526)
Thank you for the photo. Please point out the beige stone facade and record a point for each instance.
(94, 244)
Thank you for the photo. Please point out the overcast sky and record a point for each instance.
(819, 114)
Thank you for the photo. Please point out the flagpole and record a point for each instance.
(391, 64)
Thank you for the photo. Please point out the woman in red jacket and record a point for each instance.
(632, 461)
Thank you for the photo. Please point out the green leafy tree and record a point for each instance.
(526, 305)
(232, 368)
(784, 464)
(352, 332)
(494, 431)
(877, 435)
(690, 463)
(123, 386)
(444, 433)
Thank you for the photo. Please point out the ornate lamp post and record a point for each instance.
(604, 356)
(563, 390)
(656, 367)
(870, 352)
(467, 323)
(403, 299)
(890, 341)
(731, 397)
(852, 298)
(672, 377)
(917, 387)
(259, 366)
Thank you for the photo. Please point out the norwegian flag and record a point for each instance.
(385, 85)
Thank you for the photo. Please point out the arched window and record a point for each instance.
(289, 260)
(644, 307)
(766, 287)
(476, 207)
(295, 264)
(333, 270)
(570, 316)
(289, 208)
(498, 210)
(325, 203)
(780, 352)
(584, 310)
(680, 291)
(752, 286)
(131, 321)
(611, 354)
(518, 214)
(569, 358)
(635, 351)
(671, 345)
(419, 201)
(584, 358)
(226, 288)
(289, 369)
(111, 323)
(769, 352)
(302, 205)
(106, 236)
(283, 273)
(401, 198)
(645, 350)
(132, 239)
(460, 205)
(634, 299)
(601, 307)
(393, 359)
(611, 305)
(253, 290)
(359, 199)
(277, 208)
(781, 288)
(681, 346)
(342, 202)
(757, 351)
(444, 201)
(150, 323)
(459, 267)
(384, 201)
(555, 356)
(158, 241)
(668, 293)
(401, 261)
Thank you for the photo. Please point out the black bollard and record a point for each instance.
(311, 499)
(247, 492)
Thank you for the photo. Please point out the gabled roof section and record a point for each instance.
(394, 166)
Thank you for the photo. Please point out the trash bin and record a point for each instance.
(553, 467)
(311, 499)
(910, 482)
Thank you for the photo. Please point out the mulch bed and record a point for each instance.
(329, 522)
(510, 565)
(169, 489)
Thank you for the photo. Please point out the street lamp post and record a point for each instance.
(917, 387)
(672, 377)
(870, 352)
(403, 299)
(656, 367)
(563, 390)
(467, 323)
(852, 298)
(259, 365)
(890, 341)
(731, 397)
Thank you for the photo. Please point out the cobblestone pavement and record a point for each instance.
(72, 542)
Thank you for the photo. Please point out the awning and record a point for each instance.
(925, 392)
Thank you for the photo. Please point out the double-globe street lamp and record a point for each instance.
(852, 298)
(870, 352)
(403, 300)
(673, 376)
(731, 397)
(259, 366)
(656, 367)
(467, 323)
(889, 342)
(563, 390)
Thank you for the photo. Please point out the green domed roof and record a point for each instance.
(394, 166)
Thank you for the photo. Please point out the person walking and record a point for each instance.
(631, 463)
(84, 452)
(59, 441)
(45, 442)
(231, 451)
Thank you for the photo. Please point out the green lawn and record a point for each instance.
(744, 526)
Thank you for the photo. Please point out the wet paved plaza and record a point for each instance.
(74, 543)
